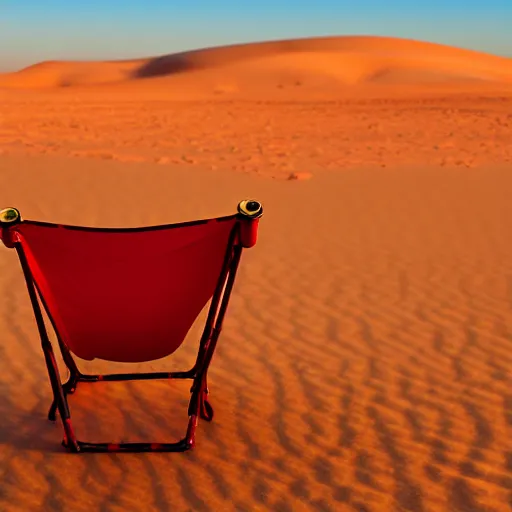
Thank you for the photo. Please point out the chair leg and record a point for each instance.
(205, 408)
(59, 396)
(68, 388)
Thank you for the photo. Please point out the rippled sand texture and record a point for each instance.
(365, 363)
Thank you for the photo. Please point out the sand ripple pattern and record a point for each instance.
(365, 363)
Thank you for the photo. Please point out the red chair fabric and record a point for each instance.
(125, 296)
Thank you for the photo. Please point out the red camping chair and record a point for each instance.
(130, 295)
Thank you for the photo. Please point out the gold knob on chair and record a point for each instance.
(9, 216)
(250, 208)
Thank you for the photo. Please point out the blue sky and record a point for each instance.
(36, 30)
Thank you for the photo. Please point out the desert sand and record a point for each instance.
(365, 362)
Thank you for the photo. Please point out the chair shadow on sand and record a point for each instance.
(26, 430)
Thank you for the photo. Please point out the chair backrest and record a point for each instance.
(126, 295)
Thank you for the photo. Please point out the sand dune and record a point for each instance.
(336, 61)
(365, 363)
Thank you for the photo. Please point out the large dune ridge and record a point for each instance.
(328, 61)
(365, 361)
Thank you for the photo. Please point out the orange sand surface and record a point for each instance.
(365, 362)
